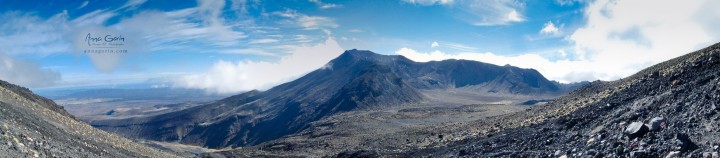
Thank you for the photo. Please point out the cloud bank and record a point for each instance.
(234, 77)
(26, 73)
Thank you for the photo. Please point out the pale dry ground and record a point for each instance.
(179, 148)
(439, 119)
(95, 109)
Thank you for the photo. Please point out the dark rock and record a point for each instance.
(636, 129)
(638, 154)
(463, 153)
(358, 154)
(656, 124)
(683, 143)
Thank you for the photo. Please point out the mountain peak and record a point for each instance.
(359, 54)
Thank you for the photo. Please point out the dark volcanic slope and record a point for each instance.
(355, 80)
(32, 126)
(590, 122)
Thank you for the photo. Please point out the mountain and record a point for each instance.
(33, 126)
(355, 80)
(671, 109)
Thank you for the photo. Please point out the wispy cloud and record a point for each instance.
(481, 12)
(307, 22)
(491, 13)
(569, 2)
(198, 29)
(83, 5)
(355, 30)
(263, 41)
(248, 51)
(430, 2)
(459, 47)
(133, 4)
(302, 38)
(322, 5)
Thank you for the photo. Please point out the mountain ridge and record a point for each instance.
(355, 79)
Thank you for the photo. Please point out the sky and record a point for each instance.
(239, 45)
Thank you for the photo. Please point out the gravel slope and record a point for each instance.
(32, 126)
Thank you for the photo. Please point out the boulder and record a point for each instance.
(591, 141)
(656, 124)
(673, 154)
(636, 129)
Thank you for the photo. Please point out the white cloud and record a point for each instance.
(324, 5)
(26, 73)
(197, 29)
(499, 18)
(83, 5)
(263, 41)
(307, 22)
(316, 22)
(430, 2)
(302, 38)
(480, 12)
(233, 77)
(19, 34)
(619, 39)
(549, 28)
(248, 51)
(568, 2)
(514, 16)
(562, 53)
(132, 4)
(634, 35)
(490, 12)
(434, 44)
(459, 47)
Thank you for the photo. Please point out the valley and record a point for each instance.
(364, 101)
(360, 79)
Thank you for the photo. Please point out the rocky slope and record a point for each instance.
(355, 80)
(667, 110)
(32, 126)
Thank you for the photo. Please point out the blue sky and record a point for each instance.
(238, 45)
